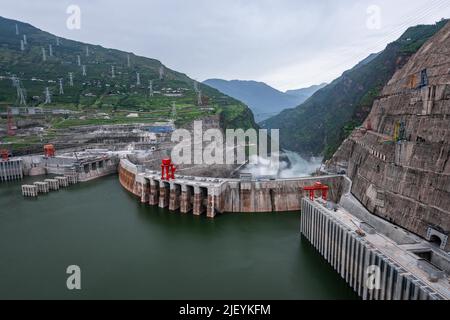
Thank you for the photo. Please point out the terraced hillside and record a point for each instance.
(108, 86)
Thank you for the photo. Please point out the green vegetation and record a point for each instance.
(320, 125)
(98, 97)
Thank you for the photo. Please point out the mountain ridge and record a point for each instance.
(263, 99)
(109, 82)
(318, 126)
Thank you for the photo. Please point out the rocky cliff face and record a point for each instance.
(399, 161)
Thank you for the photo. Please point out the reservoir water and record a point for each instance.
(128, 250)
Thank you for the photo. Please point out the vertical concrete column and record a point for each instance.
(164, 194)
(247, 197)
(175, 197)
(2, 171)
(198, 208)
(145, 192)
(186, 199)
(154, 193)
(211, 208)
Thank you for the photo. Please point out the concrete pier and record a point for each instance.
(154, 193)
(164, 194)
(11, 169)
(63, 182)
(53, 184)
(30, 190)
(186, 199)
(43, 187)
(358, 258)
(199, 198)
(175, 197)
(73, 178)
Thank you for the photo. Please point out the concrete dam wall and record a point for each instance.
(401, 274)
(212, 196)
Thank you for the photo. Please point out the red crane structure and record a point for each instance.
(318, 186)
(49, 151)
(4, 154)
(168, 169)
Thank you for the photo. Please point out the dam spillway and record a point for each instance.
(212, 196)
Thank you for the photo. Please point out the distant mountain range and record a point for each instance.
(319, 126)
(262, 99)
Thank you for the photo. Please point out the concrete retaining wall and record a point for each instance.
(351, 256)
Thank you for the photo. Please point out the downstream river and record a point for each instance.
(127, 250)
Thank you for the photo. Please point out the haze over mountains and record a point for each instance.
(262, 99)
(319, 126)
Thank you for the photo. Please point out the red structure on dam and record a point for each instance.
(168, 170)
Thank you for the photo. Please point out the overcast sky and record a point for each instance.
(286, 43)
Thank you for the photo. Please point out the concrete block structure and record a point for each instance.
(53, 184)
(43, 187)
(11, 169)
(401, 272)
(63, 181)
(30, 191)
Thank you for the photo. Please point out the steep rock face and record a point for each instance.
(400, 161)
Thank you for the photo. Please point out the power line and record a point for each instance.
(407, 22)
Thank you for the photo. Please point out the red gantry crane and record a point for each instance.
(318, 186)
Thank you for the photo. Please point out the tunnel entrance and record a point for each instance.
(436, 241)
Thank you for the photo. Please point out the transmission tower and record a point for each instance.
(48, 97)
(199, 98)
(14, 81)
(161, 73)
(44, 55)
(71, 79)
(174, 111)
(20, 93)
(138, 79)
(150, 88)
(113, 73)
(128, 61)
(22, 99)
(83, 69)
(61, 88)
(196, 86)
